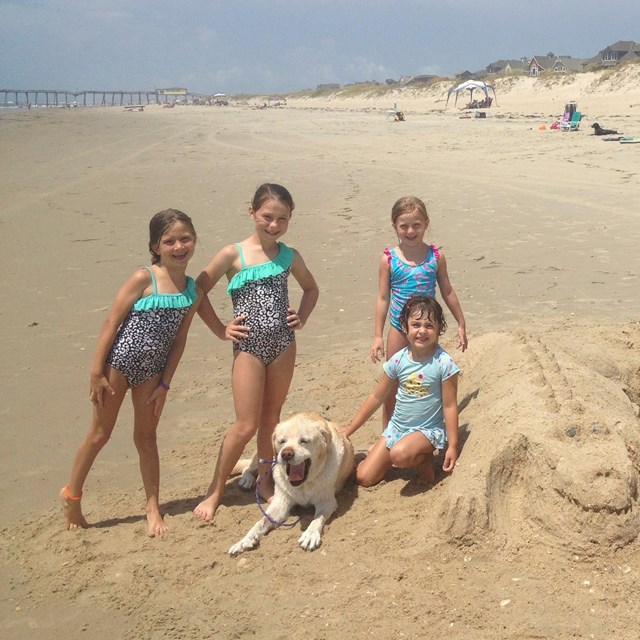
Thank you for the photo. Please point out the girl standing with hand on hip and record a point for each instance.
(411, 267)
(263, 332)
(139, 347)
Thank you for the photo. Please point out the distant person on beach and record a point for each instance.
(139, 348)
(425, 415)
(411, 267)
(264, 347)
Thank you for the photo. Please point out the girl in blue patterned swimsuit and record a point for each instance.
(264, 347)
(425, 416)
(139, 348)
(412, 267)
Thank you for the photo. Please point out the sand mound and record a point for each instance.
(552, 442)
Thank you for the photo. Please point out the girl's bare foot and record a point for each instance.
(207, 508)
(72, 511)
(156, 525)
(426, 472)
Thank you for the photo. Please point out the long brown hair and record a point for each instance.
(160, 223)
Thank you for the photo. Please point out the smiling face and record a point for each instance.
(300, 444)
(272, 219)
(176, 246)
(410, 228)
(422, 332)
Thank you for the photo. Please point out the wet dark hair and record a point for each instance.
(160, 223)
(271, 191)
(409, 204)
(423, 305)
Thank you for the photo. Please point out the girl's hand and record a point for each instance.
(462, 339)
(97, 386)
(347, 430)
(235, 331)
(377, 350)
(157, 399)
(293, 320)
(450, 458)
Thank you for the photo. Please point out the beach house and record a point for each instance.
(621, 51)
(508, 67)
(555, 64)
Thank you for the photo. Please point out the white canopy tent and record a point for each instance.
(471, 86)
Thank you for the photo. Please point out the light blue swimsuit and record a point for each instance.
(405, 280)
(419, 398)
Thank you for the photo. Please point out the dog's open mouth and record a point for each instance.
(297, 473)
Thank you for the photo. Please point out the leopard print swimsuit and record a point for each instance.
(144, 338)
(260, 292)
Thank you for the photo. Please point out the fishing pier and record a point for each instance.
(64, 98)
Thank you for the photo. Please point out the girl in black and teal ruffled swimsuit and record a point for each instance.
(262, 332)
(259, 292)
(139, 348)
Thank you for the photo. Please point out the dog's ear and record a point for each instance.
(325, 432)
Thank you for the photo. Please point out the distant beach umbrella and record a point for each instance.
(471, 86)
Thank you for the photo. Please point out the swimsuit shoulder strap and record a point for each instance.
(153, 280)
(241, 254)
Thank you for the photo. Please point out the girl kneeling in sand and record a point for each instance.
(139, 347)
(426, 409)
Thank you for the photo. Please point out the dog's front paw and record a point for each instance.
(310, 540)
(247, 480)
(242, 546)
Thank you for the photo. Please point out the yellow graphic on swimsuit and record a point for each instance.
(414, 386)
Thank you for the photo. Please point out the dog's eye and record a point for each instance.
(304, 441)
(281, 441)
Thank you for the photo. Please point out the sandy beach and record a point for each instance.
(535, 535)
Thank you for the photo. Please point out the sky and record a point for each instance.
(271, 46)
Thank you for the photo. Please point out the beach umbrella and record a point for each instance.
(471, 86)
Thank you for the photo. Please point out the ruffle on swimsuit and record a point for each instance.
(167, 300)
(274, 267)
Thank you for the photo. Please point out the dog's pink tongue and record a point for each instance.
(296, 472)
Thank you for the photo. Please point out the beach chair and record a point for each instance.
(573, 124)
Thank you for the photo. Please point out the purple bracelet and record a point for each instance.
(164, 385)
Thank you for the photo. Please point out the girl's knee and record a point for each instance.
(145, 439)
(243, 431)
(98, 436)
(365, 478)
(401, 458)
(99, 440)
(410, 451)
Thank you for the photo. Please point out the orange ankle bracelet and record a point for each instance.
(68, 494)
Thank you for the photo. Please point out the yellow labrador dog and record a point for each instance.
(313, 460)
